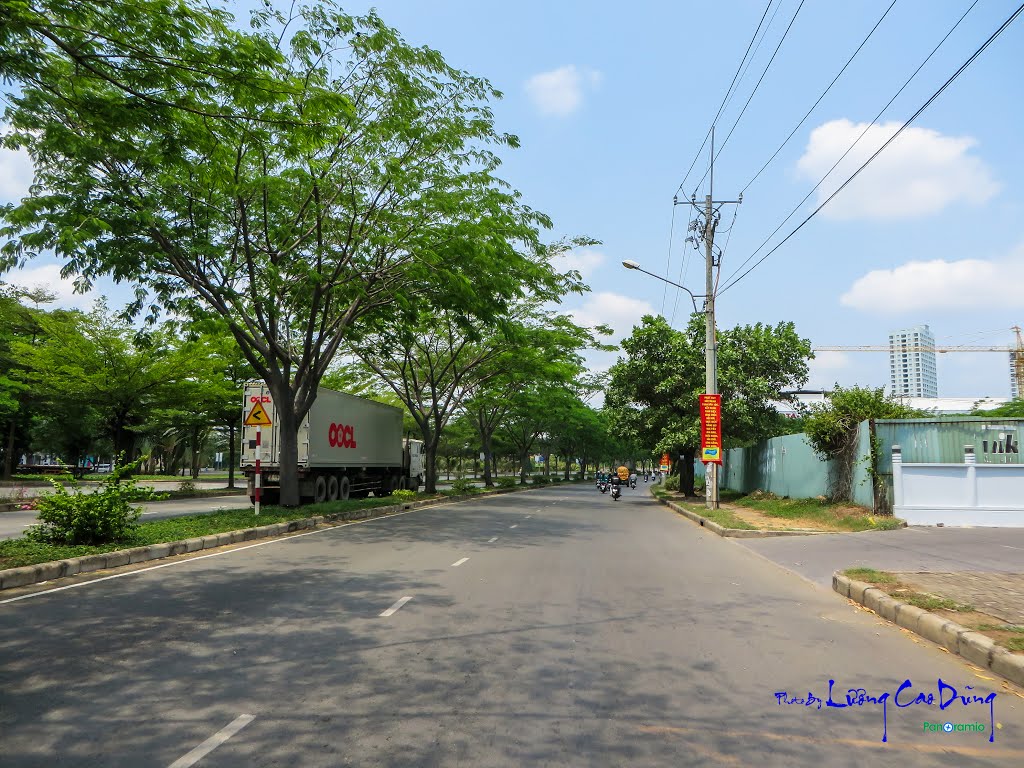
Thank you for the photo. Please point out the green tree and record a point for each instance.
(831, 429)
(323, 171)
(654, 389)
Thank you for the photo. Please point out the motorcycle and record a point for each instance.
(616, 492)
(603, 487)
(632, 483)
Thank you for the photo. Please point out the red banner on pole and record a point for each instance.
(711, 429)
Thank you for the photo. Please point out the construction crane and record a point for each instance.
(1017, 350)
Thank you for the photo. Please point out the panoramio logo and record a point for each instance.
(954, 727)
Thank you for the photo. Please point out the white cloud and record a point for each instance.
(919, 174)
(15, 175)
(940, 284)
(613, 309)
(48, 277)
(584, 261)
(560, 91)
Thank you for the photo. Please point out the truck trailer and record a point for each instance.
(348, 447)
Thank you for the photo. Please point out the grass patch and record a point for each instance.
(723, 517)
(839, 515)
(1015, 644)
(931, 602)
(870, 574)
(1000, 628)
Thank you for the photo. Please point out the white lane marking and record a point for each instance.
(492, 539)
(529, 516)
(1009, 547)
(398, 604)
(514, 526)
(457, 563)
(275, 540)
(213, 742)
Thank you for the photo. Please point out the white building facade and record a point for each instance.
(912, 370)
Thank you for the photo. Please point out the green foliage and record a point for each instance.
(1013, 409)
(464, 486)
(91, 518)
(403, 495)
(186, 486)
(832, 426)
(540, 480)
(507, 482)
(671, 483)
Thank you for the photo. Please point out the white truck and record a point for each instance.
(348, 447)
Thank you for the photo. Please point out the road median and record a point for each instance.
(705, 521)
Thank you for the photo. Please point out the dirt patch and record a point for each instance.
(768, 523)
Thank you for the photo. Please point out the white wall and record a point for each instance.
(965, 494)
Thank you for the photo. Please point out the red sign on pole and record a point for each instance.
(711, 429)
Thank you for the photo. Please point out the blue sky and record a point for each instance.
(612, 101)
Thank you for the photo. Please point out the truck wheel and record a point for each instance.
(332, 488)
(343, 488)
(319, 489)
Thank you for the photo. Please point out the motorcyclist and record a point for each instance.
(632, 479)
(616, 483)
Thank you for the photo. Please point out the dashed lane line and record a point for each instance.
(457, 563)
(398, 604)
(514, 526)
(492, 539)
(213, 742)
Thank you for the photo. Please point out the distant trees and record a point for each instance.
(653, 390)
(79, 384)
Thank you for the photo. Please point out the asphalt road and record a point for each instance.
(920, 549)
(548, 628)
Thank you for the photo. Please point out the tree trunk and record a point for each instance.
(288, 424)
(686, 472)
(231, 455)
(523, 458)
(485, 444)
(431, 446)
(196, 453)
(568, 464)
(9, 452)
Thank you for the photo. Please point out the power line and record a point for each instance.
(892, 138)
(668, 261)
(757, 84)
(726, 97)
(822, 96)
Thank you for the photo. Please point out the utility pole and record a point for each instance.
(710, 212)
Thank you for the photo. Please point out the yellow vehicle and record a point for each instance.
(623, 473)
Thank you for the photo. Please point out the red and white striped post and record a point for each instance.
(258, 477)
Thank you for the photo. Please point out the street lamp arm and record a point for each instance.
(633, 265)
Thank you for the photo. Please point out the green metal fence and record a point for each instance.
(788, 466)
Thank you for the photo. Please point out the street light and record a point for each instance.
(629, 264)
(710, 360)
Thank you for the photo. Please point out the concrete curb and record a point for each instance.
(973, 646)
(734, 533)
(27, 575)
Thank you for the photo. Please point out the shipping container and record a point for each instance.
(347, 445)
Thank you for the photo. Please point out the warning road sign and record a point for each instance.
(257, 417)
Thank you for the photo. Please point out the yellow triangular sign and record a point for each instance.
(257, 417)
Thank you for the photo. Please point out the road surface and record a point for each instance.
(554, 627)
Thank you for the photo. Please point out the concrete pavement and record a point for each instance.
(917, 549)
(554, 627)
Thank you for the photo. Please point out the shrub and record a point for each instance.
(540, 480)
(556, 479)
(404, 495)
(507, 482)
(672, 483)
(91, 518)
(463, 486)
(186, 486)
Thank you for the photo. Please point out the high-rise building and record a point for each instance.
(912, 362)
(1014, 386)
